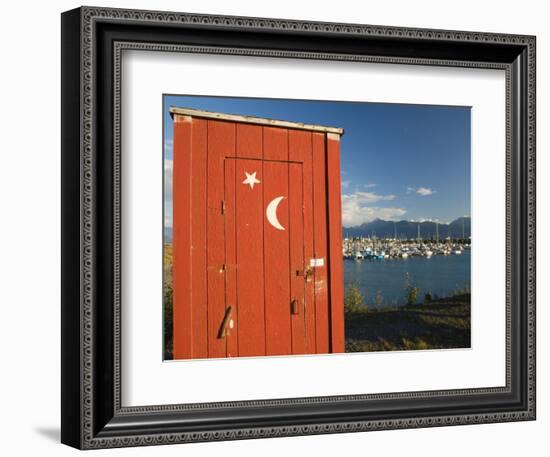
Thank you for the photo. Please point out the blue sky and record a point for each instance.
(398, 161)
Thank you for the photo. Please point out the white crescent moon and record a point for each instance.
(271, 213)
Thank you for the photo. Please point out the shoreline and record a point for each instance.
(443, 323)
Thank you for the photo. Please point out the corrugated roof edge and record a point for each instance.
(253, 120)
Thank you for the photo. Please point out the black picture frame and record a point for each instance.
(92, 415)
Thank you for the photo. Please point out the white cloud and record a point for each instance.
(423, 191)
(168, 172)
(168, 145)
(427, 219)
(367, 197)
(345, 184)
(357, 209)
(370, 185)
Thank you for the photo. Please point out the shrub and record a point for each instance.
(411, 291)
(379, 299)
(168, 322)
(353, 300)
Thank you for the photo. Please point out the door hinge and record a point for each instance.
(223, 206)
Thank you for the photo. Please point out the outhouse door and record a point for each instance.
(266, 276)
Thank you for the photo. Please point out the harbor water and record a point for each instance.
(438, 275)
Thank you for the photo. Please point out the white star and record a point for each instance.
(251, 179)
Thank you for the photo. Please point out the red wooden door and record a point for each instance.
(265, 282)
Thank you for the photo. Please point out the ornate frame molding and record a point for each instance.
(90, 434)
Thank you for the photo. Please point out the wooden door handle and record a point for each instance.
(222, 333)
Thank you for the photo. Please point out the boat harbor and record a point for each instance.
(372, 248)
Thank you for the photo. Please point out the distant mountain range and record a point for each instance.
(409, 229)
(388, 229)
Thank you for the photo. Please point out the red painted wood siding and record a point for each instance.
(181, 259)
(296, 246)
(231, 256)
(336, 266)
(320, 277)
(250, 267)
(227, 254)
(198, 239)
(250, 241)
(276, 243)
(221, 143)
(300, 150)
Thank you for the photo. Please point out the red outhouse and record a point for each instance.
(257, 237)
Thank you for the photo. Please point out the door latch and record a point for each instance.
(307, 272)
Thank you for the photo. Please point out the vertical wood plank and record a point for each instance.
(250, 262)
(221, 142)
(276, 244)
(249, 141)
(275, 143)
(296, 233)
(300, 150)
(320, 243)
(181, 239)
(336, 271)
(198, 239)
(232, 344)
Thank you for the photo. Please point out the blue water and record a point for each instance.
(438, 275)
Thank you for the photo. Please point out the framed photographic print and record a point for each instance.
(275, 228)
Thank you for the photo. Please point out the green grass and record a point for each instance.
(442, 323)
